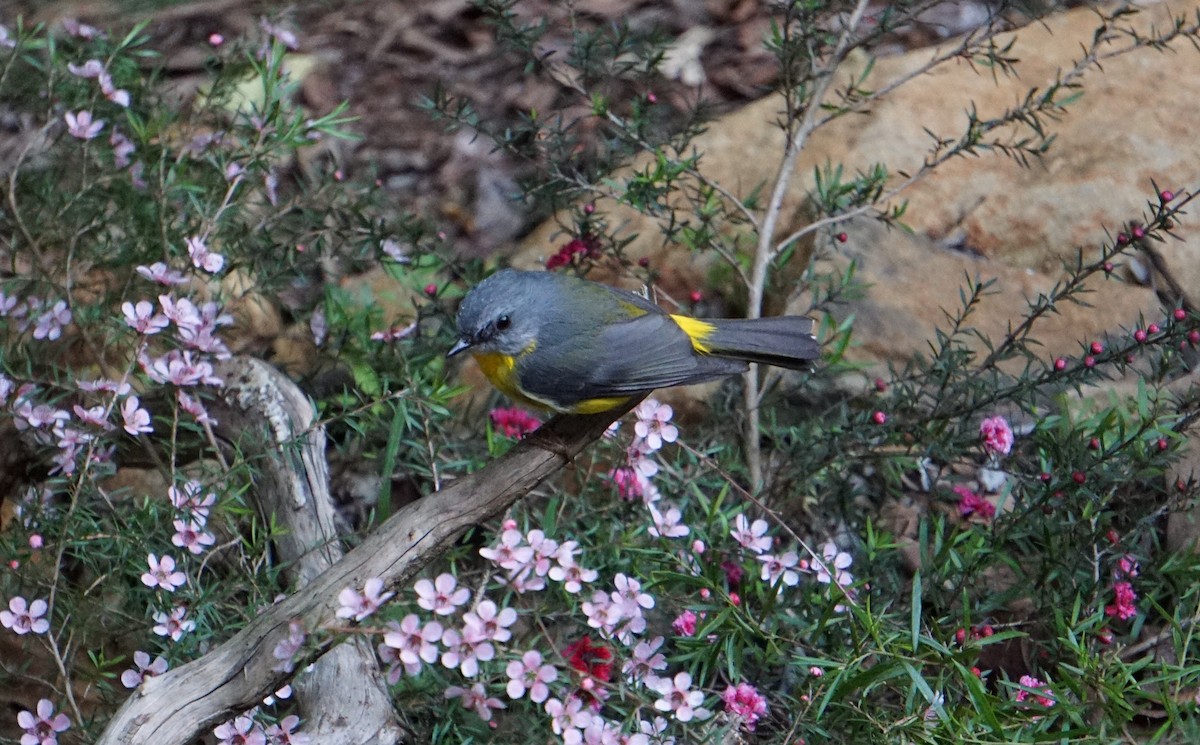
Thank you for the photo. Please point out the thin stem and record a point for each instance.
(797, 136)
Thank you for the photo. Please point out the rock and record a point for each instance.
(984, 217)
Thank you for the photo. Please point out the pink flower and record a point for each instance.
(1127, 566)
(287, 649)
(566, 719)
(240, 731)
(178, 368)
(162, 274)
(43, 728)
(442, 595)
(752, 536)
(684, 624)
(93, 416)
(573, 576)
(142, 318)
(174, 625)
(627, 481)
(119, 96)
(122, 149)
(465, 650)
(629, 596)
(530, 674)
(1125, 606)
(997, 435)
(358, 605)
(192, 500)
(514, 423)
(81, 30)
(23, 618)
(42, 416)
(645, 660)
(90, 69)
(1044, 696)
(509, 554)
(191, 535)
(318, 324)
(653, 427)
(202, 258)
(678, 697)
(80, 125)
(285, 732)
(597, 611)
(194, 407)
(475, 698)
(971, 503)
(394, 251)
(780, 569)
(668, 523)
(137, 419)
(396, 333)
(162, 574)
(832, 566)
(643, 466)
(284, 36)
(744, 701)
(544, 551)
(490, 623)
(49, 324)
(415, 643)
(143, 668)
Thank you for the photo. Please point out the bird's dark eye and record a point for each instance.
(503, 322)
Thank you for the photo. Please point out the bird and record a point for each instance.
(562, 343)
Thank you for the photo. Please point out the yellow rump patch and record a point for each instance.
(596, 405)
(698, 331)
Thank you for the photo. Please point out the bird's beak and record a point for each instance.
(459, 346)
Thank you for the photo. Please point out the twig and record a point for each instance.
(797, 136)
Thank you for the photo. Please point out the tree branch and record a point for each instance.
(183, 703)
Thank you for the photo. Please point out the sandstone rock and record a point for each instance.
(984, 217)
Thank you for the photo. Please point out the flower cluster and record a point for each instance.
(782, 570)
(997, 435)
(514, 423)
(1040, 691)
(746, 703)
(583, 247)
(528, 559)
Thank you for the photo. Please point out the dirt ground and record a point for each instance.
(384, 56)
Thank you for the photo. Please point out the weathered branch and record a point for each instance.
(181, 704)
(343, 698)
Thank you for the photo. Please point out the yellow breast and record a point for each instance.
(501, 371)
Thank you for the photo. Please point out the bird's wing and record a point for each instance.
(619, 359)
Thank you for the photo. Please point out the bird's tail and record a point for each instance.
(783, 341)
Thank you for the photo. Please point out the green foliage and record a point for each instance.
(880, 603)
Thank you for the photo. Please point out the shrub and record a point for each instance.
(660, 590)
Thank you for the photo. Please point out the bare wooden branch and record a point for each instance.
(343, 699)
(180, 705)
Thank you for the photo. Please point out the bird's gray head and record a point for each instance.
(499, 315)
